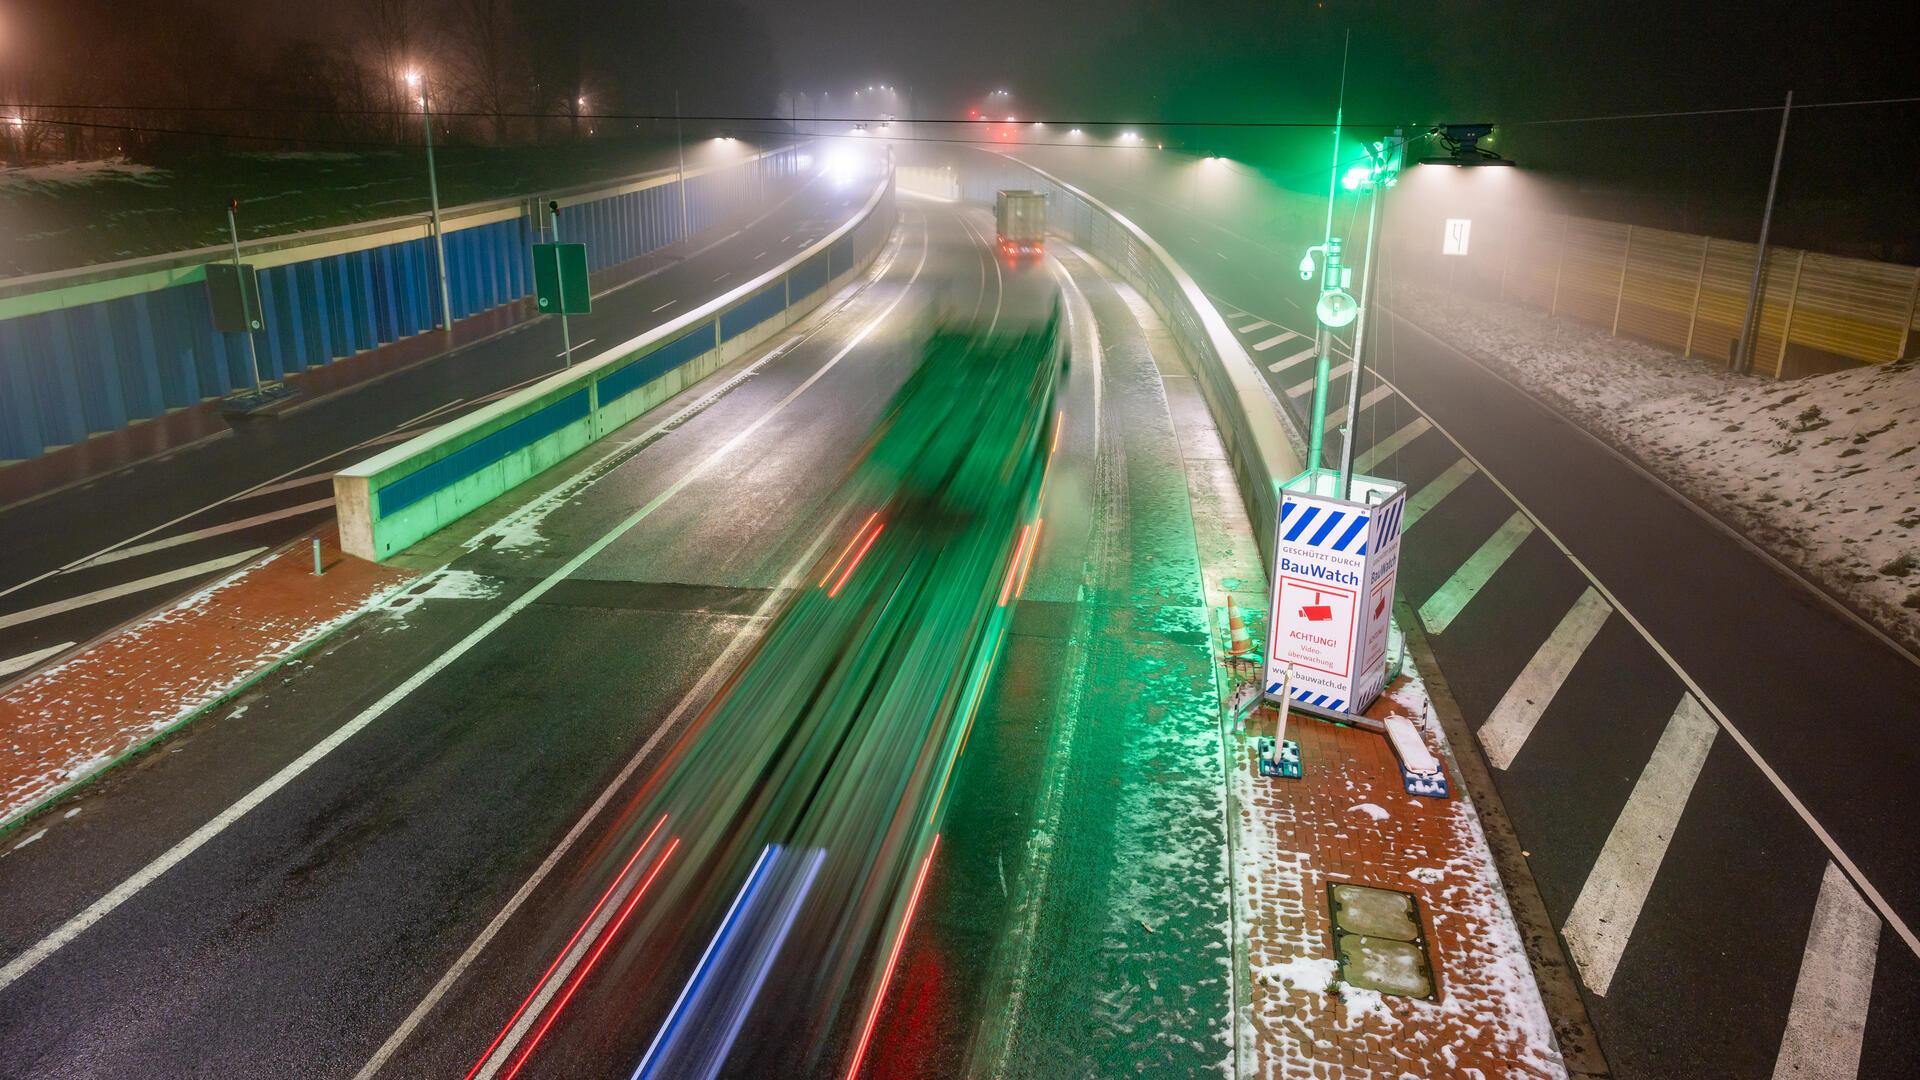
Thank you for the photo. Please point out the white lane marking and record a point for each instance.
(1472, 576)
(275, 489)
(1602, 920)
(1255, 326)
(127, 588)
(1307, 386)
(1222, 255)
(702, 690)
(1304, 354)
(435, 411)
(1280, 338)
(724, 276)
(1873, 895)
(1367, 401)
(760, 256)
(1521, 707)
(786, 238)
(222, 529)
(663, 307)
(1828, 1020)
(105, 906)
(577, 346)
(1392, 444)
(27, 660)
(721, 664)
(1436, 489)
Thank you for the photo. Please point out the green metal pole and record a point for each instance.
(433, 193)
(1323, 337)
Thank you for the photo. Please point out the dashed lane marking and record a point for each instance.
(1472, 576)
(577, 346)
(1603, 918)
(1436, 489)
(26, 660)
(1521, 707)
(1367, 401)
(663, 307)
(1307, 386)
(221, 529)
(126, 588)
(1828, 1020)
(1391, 445)
(1303, 354)
(1255, 326)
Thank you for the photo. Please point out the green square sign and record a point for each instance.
(560, 284)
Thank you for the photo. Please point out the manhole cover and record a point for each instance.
(1378, 940)
(1358, 909)
(1391, 967)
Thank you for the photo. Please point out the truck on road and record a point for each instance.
(1020, 223)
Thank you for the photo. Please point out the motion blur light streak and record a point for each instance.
(861, 554)
(1021, 589)
(844, 551)
(893, 958)
(1006, 590)
(692, 987)
(567, 948)
(587, 968)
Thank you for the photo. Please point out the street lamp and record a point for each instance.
(416, 81)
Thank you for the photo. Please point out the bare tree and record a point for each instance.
(490, 73)
(395, 32)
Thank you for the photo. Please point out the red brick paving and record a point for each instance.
(63, 723)
(1299, 836)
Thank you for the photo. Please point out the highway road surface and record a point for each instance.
(87, 558)
(1708, 764)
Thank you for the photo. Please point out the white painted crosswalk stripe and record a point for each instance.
(1604, 915)
(71, 603)
(212, 530)
(1392, 444)
(1459, 590)
(287, 485)
(1520, 708)
(1438, 488)
(1307, 386)
(1281, 365)
(1828, 1020)
(1277, 339)
(1367, 401)
(1255, 326)
(27, 660)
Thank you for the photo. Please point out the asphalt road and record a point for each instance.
(82, 560)
(390, 904)
(1813, 759)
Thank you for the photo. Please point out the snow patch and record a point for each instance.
(1377, 813)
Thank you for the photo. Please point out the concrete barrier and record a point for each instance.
(1262, 445)
(412, 490)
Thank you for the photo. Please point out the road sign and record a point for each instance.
(1454, 240)
(233, 290)
(1334, 568)
(560, 283)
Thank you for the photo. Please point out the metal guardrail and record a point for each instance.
(413, 490)
(90, 350)
(1262, 445)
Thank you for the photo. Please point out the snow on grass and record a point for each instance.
(1824, 471)
(70, 173)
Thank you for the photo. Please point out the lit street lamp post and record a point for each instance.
(416, 80)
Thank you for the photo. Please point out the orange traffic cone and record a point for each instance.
(1241, 644)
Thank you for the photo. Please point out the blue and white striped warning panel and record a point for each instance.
(1306, 696)
(1316, 525)
(1388, 528)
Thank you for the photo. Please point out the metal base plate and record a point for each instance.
(261, 402)
(1284, 765)
(1433, 787)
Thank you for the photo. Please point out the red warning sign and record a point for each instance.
(1316, 626)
